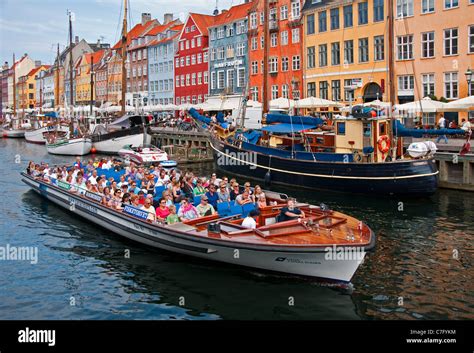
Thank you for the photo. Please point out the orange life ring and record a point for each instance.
(383, 144)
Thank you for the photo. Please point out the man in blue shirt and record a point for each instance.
(212, 196)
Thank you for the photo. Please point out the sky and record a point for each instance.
(37, 26)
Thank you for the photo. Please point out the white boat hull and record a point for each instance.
(14, 133)
(36, 136)
(113, 146)
(73, 147)
(309, 262)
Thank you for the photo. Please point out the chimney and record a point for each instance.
(216, 12)
(76, 39)
(5, 66)
(37, 63)
(145, 18)
(168, 17)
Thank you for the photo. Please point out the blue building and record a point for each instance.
(228, 51)
(161, 53)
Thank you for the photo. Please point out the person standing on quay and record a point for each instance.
(441, 126)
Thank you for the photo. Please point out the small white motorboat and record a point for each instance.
(143, 154)
(79, 146)
(39, 135)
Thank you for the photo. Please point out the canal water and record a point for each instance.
(422, 267)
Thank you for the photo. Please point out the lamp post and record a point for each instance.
(468, 75)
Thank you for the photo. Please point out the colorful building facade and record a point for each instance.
(26, 88)
(45, 86)
(228, 51)
(114, 78)
(285, 62)
(83, 72)
(192, 59)
(161, 53)
(346, 50)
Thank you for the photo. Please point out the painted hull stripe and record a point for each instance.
(323, 175)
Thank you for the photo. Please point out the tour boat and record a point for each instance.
(325, 244)
(70, 147)
(143, 154)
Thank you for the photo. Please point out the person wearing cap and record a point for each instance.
(251, 220)
(204, 208)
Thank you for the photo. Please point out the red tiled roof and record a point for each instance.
(160, 28)
(234, 13)
(202, 22)
(135, 32)
(97, 56)
(36, 69)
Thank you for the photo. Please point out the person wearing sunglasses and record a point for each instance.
(204, 208)
(187, 211)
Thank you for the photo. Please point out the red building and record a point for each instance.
(191, 67)
(285, 39)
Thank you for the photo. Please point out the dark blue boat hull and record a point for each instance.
(407, 177)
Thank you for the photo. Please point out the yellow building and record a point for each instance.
(114, 79)
(26, 88)
(83, 76)
(345, 50)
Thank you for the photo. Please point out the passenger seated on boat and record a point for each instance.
(199, 189)
(257, 191)
(93, 177)
(244, 198)
(234, 192)
(163, 178)
(223, 194)
(103, 181)
(187, 211)
(172, 217)
(212, 196)
(133, 188)
(166, 194)
(262, 201)
(150, 209)
(247, 188)
(125, 201)
(116, 201)
(162, 211)
(30, 168)
(251, 220)
(141, 197)
(204, 208)
(134, 201)
(177, 192)
(290, 212)
(107, 198)
(150, 184)
(81, 185)
(188, 187)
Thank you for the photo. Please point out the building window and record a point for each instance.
(322, 21)
(220, 79)
(348, 22)
(363, 13)
(335, 53)
(404, 8)
(311, 59)
(213, 80)
(206, 77)
(273, 65)
(230, 51)
(334, 18)
(310, 24)
(285, 64)
(220, 53)
(285, 91)
(428, 84)
(348, 52)
(254, 93)
(206, 56)
(378, 10)
(406, 85)
(379, 48)
(193, 60)
(451, 41)
(284, 38)
(348, 91)
(323, 55)
(253, 20)
(274, 91)
(336, 90)
(199, 78)
(295, 35)
(311, 90)
(199, 58)
(451, 85)
(405, 47)
(363, 50)
(471, 39)
(273, 40)
(295, 9)
(254, 67)
(296, 63)
(427, 6)
(188, 79)
(230, 78)
(323, 89)
(284, 12)
(193, 80)
(449, 4)
(427, 45)
(241, 77)
(254, 43)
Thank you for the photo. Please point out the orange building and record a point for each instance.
(434, 48)
(114, 78)
(285, 62)
(83, 76)
(26, 88)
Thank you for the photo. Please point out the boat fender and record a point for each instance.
(383, 143)
(268, 178)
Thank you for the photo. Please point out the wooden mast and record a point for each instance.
(391, 73)
(265, 57)
(71, 100)
(56, 91)
(14, 85)
(92, 83)
(124, 56)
